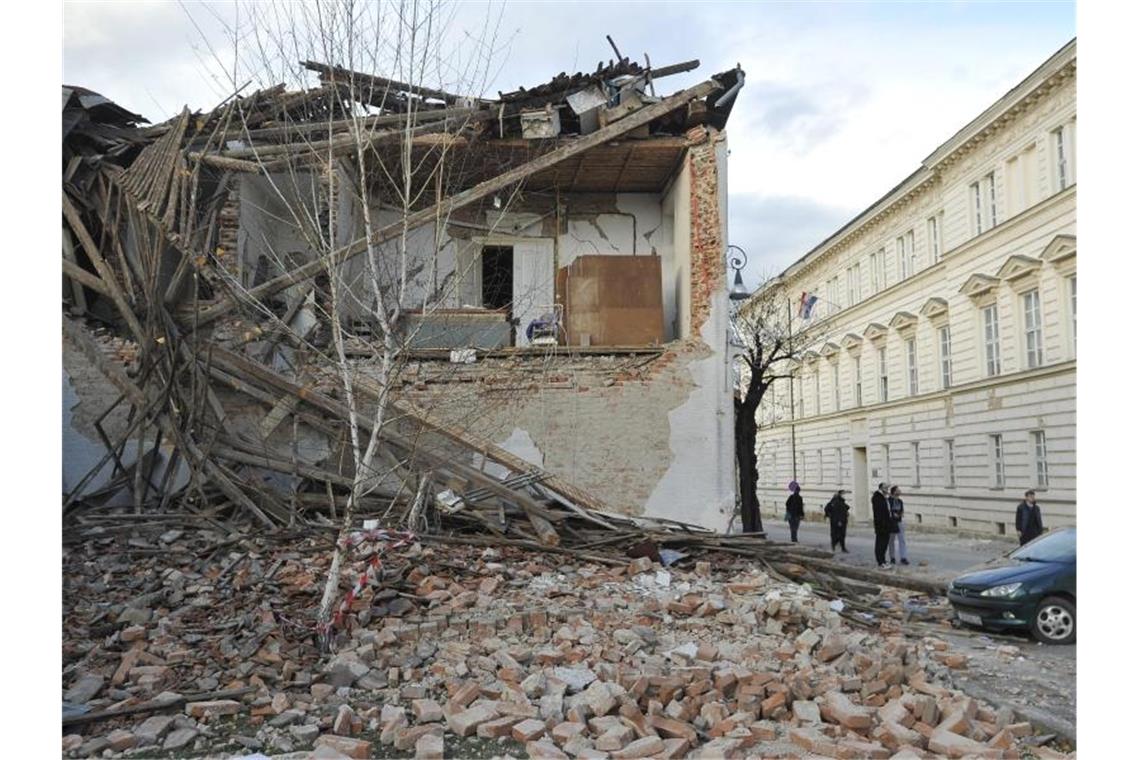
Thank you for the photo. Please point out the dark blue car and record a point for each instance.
(1033, 587)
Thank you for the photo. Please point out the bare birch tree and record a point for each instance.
(347, 176)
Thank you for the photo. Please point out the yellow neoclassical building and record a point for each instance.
(947, 317)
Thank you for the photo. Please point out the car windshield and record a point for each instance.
(1058, 546)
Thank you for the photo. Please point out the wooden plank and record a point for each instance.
(482, 190)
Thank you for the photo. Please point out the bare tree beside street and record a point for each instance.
(773, 339)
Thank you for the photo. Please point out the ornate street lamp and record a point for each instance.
(737, 259)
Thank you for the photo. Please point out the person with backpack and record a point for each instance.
(836, 512)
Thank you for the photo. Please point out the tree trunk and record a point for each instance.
(746, 467)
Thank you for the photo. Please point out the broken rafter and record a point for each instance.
(466, 197)
(366, 84)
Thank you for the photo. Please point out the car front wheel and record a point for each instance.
(1055, 621)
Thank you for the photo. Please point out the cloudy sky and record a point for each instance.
(842, 99)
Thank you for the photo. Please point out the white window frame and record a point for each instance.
(854, 285)
(835, 384)
(934, 237)
(904, 252)
(878, 270)
(983, 194)
(945, 356)
(912, 366)
(1034, 335)
(916, 452)
(991, 340)
(1040, 459)
(976, 207)
(884, 377)
(858, 381)
(989, 179)
(1071, 284)
(818, 400)
(839, 467)
(1060, 147)
(997, 459)
(951, 473)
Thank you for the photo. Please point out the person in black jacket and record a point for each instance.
(1028, 519)
(836, 512)
(794, 513)
(881, 514)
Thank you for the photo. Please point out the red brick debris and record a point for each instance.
(205, 649)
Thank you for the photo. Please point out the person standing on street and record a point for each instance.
(881, 514)
(898, 532)
(794, 510)
(836, 513)
(1028, 520)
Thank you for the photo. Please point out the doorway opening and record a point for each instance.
(498, 276)
(859, 472)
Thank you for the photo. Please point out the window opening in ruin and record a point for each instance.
(498, 276)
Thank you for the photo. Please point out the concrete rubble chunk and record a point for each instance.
(151, 730)
(806, 712)
(427, 711)
(429, 747)
(576, 679)
(179, 738)
(85, 688)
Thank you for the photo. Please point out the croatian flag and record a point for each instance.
(807, 302)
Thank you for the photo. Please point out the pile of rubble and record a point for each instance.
(205, 648)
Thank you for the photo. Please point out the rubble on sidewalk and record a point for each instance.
(564, 658)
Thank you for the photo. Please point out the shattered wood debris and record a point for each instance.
(149, 252)
(470, 651)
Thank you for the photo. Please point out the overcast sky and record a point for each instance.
(842, 100)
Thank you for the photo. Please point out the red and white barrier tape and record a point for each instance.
(388, 541)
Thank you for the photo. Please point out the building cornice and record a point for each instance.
(1049, 75)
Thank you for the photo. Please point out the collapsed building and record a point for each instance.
(534, 285)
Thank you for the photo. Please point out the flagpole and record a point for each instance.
(792, 395)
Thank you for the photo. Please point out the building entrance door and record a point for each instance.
(862, 499)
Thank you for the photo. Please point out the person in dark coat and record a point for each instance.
(881, 514)
(1028, 519)
(794, 510)
(836, 512)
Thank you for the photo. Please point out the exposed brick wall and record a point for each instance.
(706, 239)
(601, 422)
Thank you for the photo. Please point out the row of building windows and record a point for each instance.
(817, 476)
(1021, 179)
(1033, 344)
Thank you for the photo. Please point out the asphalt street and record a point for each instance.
(934, 555)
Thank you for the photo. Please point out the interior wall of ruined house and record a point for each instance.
(647, 435)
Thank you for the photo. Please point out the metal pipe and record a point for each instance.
(731, 90)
